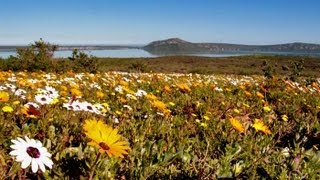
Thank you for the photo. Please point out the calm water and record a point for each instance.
(119, 53)
(128, 53)
(99, 53)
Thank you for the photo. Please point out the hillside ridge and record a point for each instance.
(176, 45)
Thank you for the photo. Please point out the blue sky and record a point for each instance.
(142, 21)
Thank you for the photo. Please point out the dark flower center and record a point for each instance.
(33, 111)
(33, 152)
(43, 99)
(104, 146)
(89, 107)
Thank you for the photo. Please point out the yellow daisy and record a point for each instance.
(7, 109)
(266, 109)
(159, 105)
(237, 125)
(105, 138)
(260, 126)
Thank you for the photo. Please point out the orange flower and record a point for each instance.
(242, 87)
(63, 88)
(184, 88)
(63, 93)
(99, 94)
(128, 90)
(260, 95)
(30, 112)
(76, 92)
(247, 93)
(4, 96)
(124, 83)
(167, 88)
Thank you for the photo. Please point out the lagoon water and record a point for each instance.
(134, 53)
(120, 53)
(5, 54)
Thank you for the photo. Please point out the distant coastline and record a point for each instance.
(176, 46)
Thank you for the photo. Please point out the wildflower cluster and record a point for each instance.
(157, 126)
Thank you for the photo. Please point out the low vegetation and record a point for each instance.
(101, 123)
(242, 65)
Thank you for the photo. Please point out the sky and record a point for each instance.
(142, 21)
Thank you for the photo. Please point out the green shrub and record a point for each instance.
(13, 63)
(63, 65)
(269, 71)
(38, 56)
(138, 66)
(296, 69)
(84, 62)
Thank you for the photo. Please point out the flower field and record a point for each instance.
(157, 126)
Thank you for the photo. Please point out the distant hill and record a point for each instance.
(177, 46)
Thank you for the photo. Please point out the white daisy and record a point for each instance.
(30, 151)
(20, 92)
(126, 79)
(100, 110)
(86, 106)
(68, 106)
(128, 107)
(118, 89)
(11, 86)
(116, 120)
(43, 99)
(3, 88)
(47, 76)
(73, 105)
(140, 93)
(95, 85)
(32, 104)
(51, 92)
(12, 79)
(130, 96)
(218, 89)
(79, 76)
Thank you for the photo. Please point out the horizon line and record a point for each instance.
(144, 44)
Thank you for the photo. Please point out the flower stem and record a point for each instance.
(24, 176)
(93, 167)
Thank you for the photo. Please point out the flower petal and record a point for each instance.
(26, 162)
(34, 166)
(15, 152)
(48, 162)
(41, 165)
